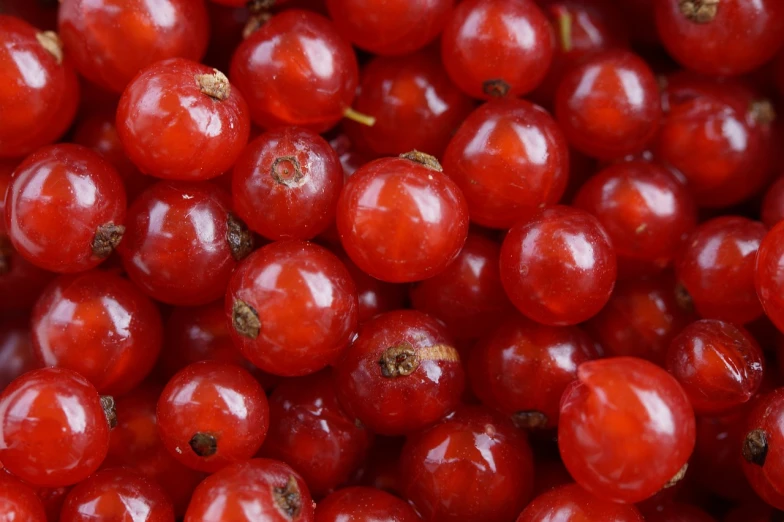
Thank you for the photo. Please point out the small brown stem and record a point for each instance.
(254, 23)
(358, 117)
(762, 112)
(109, 410)
(497, 88)
(245, 319)
(204, 444)
(423, 159)
(699, 11)
(239, 237)
(678, 476)
(288, 498)
(530, 419)
(287, 170)
(52, 43)
(106, 239)
(6, 252)
(755, 447)
(403, 359)
(214, 85)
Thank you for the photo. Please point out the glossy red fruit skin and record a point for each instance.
(646, 211)
(16, 353)
(571, 503)
(117, 494)
(177, 245)
(470, 467)
(716, 267)
(764, 469)
(296, 69)
(250, 491)
(719, 365)
(415, 104)
(22, 283)
(509, 158)
(111, 42)
(769, 276)
(522, 368)
(63, 191)
(53, 428)
(304, 316)
(401, 221)
(360, 503)
(7, 168)
(220, 400)
(376, 389)
(375, 297)
(483, 55)
(558, 268)
(286, 184)
(773, 205)
(310, 432)
(19, 501)
(613, 399)
(599, 116)
(468, 296)
(40, 89)
(99, 325)
(711, 47)
(173, 126)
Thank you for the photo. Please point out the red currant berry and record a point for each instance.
(65, 208)
(763, 448)
(646, 211)
(400, 374)
(626, 428)
(375, 297)
(7, 168)
(703, 35)
(364, 504)
(296, 70)
(54, 427)
(509, 158)
(558, 268)
(16, 352)
(310, 432)
(251, 491)
(293, 308)
(19, 501)
(471, 467)
(494, 48)
(117, 494)
(772, 206)
(40, 88)
(286, 184)
(212, 414)
(111, 42)
(769, 275)
(183, 243)
(178, 119)
(571, 503)
(401, 219)
(609, 106)
(523, 368)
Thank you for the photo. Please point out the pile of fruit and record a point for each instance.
(391, 260)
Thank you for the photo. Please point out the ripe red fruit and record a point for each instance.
(178, 119)
(772, 206)
(626, 429)
(65, 208)
(763, 448)
(19, 501)
(769, 275)
(364, 504)
(375, 297)
(571, 503)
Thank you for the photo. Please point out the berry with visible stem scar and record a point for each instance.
(763, 447)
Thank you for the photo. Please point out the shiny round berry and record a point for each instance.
(178, 119)
(401, 219)
(495, 48)
(293, 308)
(117, 494)
(296, 69)
(400, 374)
(773, 205)
(509, 158)
(471, 467)
(558, 268)
(54, 427)
(769, 276)
(364, 504)
(99, 325)
(19, 501)
(251, 491)
(65, 208)
(212, 414)
(609, 106)
(763, 448)
(110, 42)
(40, 89)
(286, 184)
(626, 428)
(571, 503)
(182, 242)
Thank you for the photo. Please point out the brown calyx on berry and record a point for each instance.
(755, 447)
(6, 250)
(204, 444)
(245, 319)
(530, 420)
(403, 359)
(215, 85)
(423, 159)
(254, 23)
(683, 298)
(496, 88)
(109, 410)
(287, 170)
(762, 112)
(260, 6)
(678, 476)
(699, 11)
(50, 41)
(239, 237)
(288, 498)
(106, 239)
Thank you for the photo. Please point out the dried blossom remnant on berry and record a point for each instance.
(403, 359)
(239, 237)
(287, 170)
(530, 420)
(245, 319)
(52, 43)
(204, 444)
(109, 410)
(254, 23)
(678, 476)
(215, 85)
(762, 112)
(683, 298)
(699, 11)
(106, 239)
(755, 447)
(288, 498)
(423, 159)
(260, 6)
(497, 88)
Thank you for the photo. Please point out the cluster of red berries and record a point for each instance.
(406, 260)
